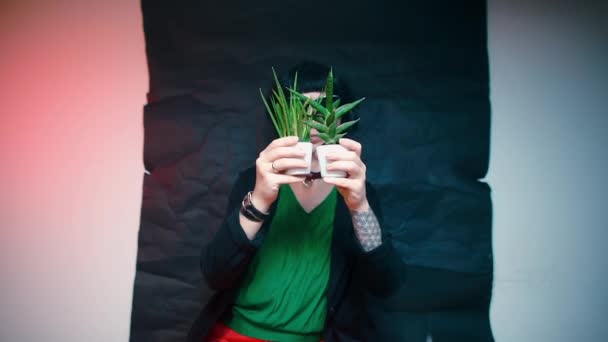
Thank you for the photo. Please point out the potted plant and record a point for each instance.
(289, 118)
(326, 122)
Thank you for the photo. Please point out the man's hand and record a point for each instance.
(351, 188)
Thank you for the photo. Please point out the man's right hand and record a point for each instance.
(284, 155)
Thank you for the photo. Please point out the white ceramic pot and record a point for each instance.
(306, 147)
(322, 151)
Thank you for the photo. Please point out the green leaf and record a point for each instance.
(319, 127)
(343, 127)
(283, 112)
(300, 117)
(329, 91)
(325, 137)
(286, 112)
(337, 103)
(332, 130)
(347, 107)
(292, 99)
(271, 114)
(314, 104)
(279, 116)
(279, 87)
(330, 119)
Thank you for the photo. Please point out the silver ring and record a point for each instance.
(274, 168)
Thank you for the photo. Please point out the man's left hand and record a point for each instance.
(352, 188)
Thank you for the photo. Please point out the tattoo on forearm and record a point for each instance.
(367, 229)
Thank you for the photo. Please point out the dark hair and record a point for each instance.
(311, 77)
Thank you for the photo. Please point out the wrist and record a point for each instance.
(259, 203)
(361, 207)
(250, 211)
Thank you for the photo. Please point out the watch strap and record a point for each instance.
(248, 214)
(248, 206)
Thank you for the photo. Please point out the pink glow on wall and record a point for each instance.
(73, 80)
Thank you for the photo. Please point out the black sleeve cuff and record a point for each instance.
(238, 236)
(382, 268)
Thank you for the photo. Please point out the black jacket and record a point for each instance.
(354, 274)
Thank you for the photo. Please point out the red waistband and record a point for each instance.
(223, 333)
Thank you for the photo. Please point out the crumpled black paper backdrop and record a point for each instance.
(423, 67)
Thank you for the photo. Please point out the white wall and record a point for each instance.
(549, 85)
(71, 177)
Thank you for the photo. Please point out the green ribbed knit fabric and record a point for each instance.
(283, 296)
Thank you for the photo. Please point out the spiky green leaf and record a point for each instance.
(293, 100)
(279, 87)
(283, 111)
(316, 105)
(329, 91)
(319, 127)
(279, 116)
(271, 114)
(325, 137)
(347, 107)
(332, 130)
(337, 103)
(330, 119)
(343, 127)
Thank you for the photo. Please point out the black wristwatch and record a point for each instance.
(251, 212)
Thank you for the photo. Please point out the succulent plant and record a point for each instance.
(326, 119)
(289, 117)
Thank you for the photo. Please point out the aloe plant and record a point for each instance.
(326, 120)
(289, 117)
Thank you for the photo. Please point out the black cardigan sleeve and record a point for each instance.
(381, 269)
(226, 257)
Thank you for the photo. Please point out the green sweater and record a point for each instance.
(283, 295)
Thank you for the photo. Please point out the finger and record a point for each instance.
(343, 155)
(349, 157)
(352, 145)
(283, 164)
(283, 152)
(351, 184)
(284, 141)
(346, 156)
(353, 169)
(284, 179)
(274, 180)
